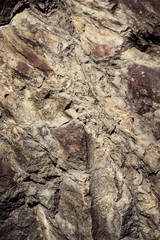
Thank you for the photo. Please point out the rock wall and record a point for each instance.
(79, 120)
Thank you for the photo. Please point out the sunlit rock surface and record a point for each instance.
(80, 120)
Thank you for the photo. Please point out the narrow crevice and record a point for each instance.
(68, 106)
(114, 8)
(19, 9)
(32, 204)
(154, 39)
(48, 178)
(141, 41)
(29, 179)
(48, 95)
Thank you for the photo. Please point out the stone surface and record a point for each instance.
(79, 120)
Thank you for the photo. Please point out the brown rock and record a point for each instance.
(144, 87)
(73, 139)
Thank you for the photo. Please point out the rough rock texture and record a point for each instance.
(80, 120)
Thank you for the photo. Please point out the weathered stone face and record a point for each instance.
(73, 139)
(79, 120)
(144, 87)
